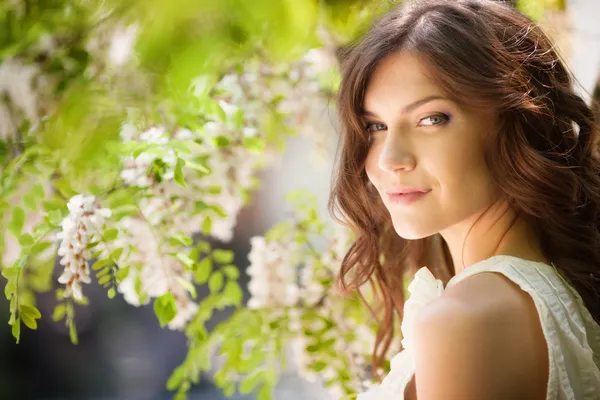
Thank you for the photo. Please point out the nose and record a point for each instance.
(396, 155)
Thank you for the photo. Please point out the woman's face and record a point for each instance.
(421, 142)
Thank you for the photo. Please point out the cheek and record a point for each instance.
(466, 183)
(372, 165)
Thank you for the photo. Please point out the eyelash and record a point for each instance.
(445, 119)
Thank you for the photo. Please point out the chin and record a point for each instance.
(411, 232)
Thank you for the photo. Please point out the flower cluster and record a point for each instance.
(156, 270)
(296, 284)
(79, 229)
(272, 274)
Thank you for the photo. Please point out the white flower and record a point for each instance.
(81, 227)
(272, 274)
(121, 45)
(186, 309)
(128, 132)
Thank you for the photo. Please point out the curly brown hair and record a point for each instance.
(544, 158)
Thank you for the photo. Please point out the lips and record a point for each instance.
(406, 195)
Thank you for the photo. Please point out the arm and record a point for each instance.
(483, 341)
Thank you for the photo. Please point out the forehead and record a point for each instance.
(402, 77)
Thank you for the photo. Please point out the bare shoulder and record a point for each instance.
(482, 339)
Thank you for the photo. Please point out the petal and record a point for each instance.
(66, 276)
(77, 293)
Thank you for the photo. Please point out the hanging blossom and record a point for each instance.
(272, 272)
(306, 103)
(232, 169)
(158, 272)
(313, 300)
(82, 226)
(305, 296)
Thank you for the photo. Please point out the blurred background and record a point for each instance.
(122, 352)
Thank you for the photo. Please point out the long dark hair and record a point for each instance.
(544, 158)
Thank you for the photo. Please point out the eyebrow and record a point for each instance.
(409, 107)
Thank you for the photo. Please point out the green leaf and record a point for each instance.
(176, 378)
(203, 270)
(40, 247)
(102, 272)
(200, 206)
(215, 282)
(26, 240)
(254, 362)
(218, 210)
(221, 141)
(73, 332)
(188, 262)
(249, 382)
(10, 289)
(30, 202)
(110, 234)
(51, 205)
(122, 273)
(38, 191)
(29, 321)
(179, 178)
(207, 225)
(15, 226)
(229, 389)
(9, 272)
(104, 279)
(223, 256)
(183, 239)
(203, 246)
(16, 329)
(198, 167)
(254, 144)
(116, 254)
(233, 293)
(31, 311)
(55, 217)
(124, 210)
(100, 263)
(188, 286)
(180, 147)
(42, 229)
(264, 393)
(165, 308)
(279, 231)
(231, 271)
(59, 312)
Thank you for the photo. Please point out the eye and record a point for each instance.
(372, 127)
(435, 119)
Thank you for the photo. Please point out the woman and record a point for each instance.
(465, 150)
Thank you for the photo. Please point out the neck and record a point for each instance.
(496, 230)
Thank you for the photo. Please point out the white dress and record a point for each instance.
(572, 335)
